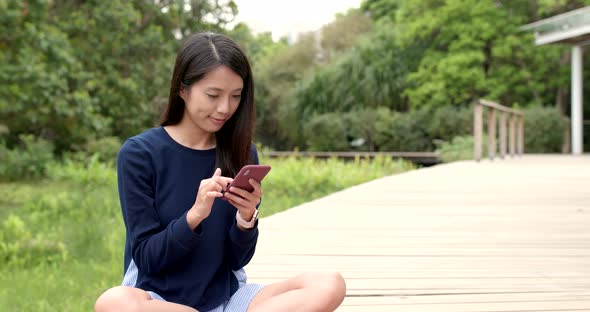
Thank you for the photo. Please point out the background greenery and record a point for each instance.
(74, 72)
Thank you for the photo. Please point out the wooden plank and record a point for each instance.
(499, 107)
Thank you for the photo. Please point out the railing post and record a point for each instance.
(492, 133)
(514, 141)
(512, 134)
(502, 134)
(521, 135)
(477, 130)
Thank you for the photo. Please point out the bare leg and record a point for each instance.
(307, 292)
(129, 299)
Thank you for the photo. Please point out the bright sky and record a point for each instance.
(290, 17)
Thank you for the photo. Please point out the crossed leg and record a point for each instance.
(321, 292)
(130, 299)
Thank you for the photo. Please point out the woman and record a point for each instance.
(186, 248)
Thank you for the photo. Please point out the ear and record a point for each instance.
(182, 93)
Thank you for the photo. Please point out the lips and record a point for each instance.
(218, 121)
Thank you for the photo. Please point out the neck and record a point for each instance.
(191, 136)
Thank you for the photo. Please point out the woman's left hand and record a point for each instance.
(247, 204)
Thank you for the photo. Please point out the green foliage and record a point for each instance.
(544, 130)
(106, 148)
(544, 133)
(64, 234)
(384, 130)
(459, 148)
(372, 74)
(450, 121)
(90, 171)
(27, 160)
(380, 9)
(470, 55)
(76, 70)
(368, 125)
(18, 249)
(255, 46)
(342, 33)
(279, 110)
(294, 180)
(275, 75)
(407, 132)
(327, 132)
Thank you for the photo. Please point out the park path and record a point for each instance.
(508, 235)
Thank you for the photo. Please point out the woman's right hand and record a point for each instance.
(209, 189)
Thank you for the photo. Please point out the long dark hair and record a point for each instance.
(201, 53)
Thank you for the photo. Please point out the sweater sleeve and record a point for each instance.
(243, 243)
(153, 249)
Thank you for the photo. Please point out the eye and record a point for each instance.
(237, 96)
(213, 96)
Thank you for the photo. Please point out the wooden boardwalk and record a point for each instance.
(509, 235)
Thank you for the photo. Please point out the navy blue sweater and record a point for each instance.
(158, 183)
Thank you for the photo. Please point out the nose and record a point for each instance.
(224, 106)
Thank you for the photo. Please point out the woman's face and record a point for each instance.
(211, 101)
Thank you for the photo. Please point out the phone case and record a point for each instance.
(256, 172)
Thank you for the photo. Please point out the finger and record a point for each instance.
(223, 181)
(212, 194)
(257, 187)
(214, 187)
(217, 172)
(243, 193)
(242, 202)
(244, 209)
(250, 202)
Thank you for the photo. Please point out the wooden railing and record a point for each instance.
(422, 158)
(515, 121)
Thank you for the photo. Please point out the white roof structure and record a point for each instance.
(571, 28)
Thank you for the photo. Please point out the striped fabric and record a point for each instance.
(238, 302)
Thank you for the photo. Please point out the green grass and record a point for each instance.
(293, 181)
(62, 238)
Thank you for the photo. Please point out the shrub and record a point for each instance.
(327, 132)
(459, 148)
(407, 132)
(365, 126)
(84, 171)
(27, 160)
(543, 130)
(19, 249)
(106, 148)
(450, 121)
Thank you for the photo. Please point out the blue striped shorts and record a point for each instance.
(238, 302)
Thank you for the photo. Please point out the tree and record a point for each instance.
(73, 71)
(371, 74)
(276, 75)
(343, 33)
(471, 55)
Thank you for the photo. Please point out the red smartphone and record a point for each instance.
(256, 172)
